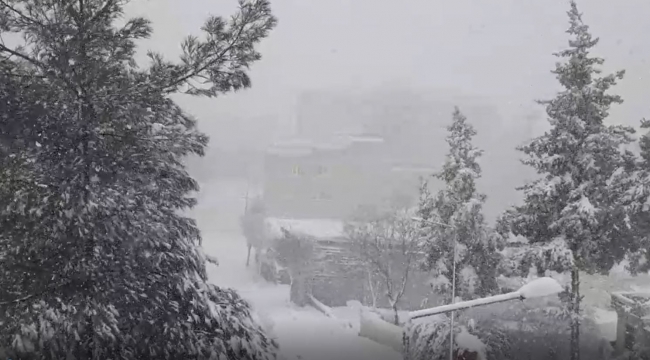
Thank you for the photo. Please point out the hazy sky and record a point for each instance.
(500, 49)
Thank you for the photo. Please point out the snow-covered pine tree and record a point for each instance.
(97, 262)
(637, 197)
(572, 215)
(425, 208)
(455, 214)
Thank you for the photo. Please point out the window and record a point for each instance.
(323, 170)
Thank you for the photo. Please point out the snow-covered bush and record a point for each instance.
(428, 339)
(538, 329)
(534, 329)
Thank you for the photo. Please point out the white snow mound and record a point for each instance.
(468, 342)
(540, 287)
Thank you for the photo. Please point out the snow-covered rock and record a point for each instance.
(465, 341)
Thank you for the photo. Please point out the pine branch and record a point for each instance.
(19, 300)
(34, 295)
(32, 61)
(20, 14)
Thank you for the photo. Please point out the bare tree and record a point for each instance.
(388, 244)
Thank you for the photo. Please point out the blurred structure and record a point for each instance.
(330, 180)
(633, 325)
(368, 148)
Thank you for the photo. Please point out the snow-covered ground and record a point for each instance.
(305, 333)
(302, 333)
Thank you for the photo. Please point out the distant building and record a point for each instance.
(412, 124)
(304, 179)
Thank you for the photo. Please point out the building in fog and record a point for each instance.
(412, 124)
(307, 179)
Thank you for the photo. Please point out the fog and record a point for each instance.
(360, 183)
(498, 53)
(461, 53)
(363, 66)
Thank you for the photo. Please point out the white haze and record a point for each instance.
(497, 53)
(467, 52)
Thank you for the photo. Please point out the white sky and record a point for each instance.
(501, 49)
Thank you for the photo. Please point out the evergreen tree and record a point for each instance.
(573, 215)
(454, 215)
(637, 200)
(97, 262)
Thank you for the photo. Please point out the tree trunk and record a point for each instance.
(372, 289)
(575, 314)
(394, 306)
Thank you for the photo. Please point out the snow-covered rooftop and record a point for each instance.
(301, 147)
(317, 228)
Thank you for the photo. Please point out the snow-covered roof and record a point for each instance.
(301, 147)
(317, 228)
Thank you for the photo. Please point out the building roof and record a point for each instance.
(304, 147)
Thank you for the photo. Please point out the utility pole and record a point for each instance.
(248, 185)
(453, 300)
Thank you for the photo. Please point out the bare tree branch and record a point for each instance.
(388, 245)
